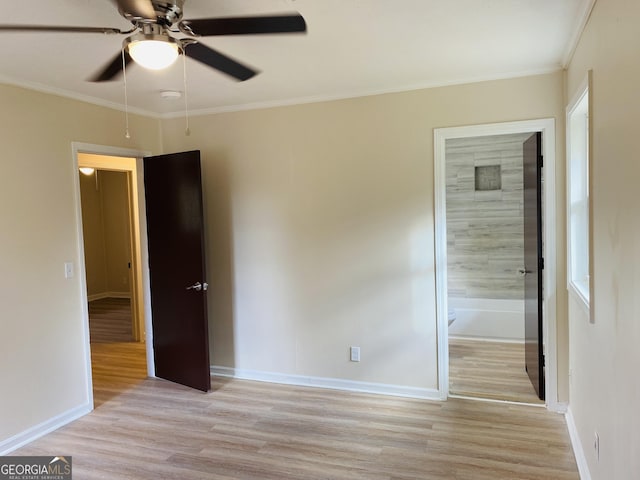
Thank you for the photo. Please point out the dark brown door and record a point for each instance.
(533, 262)
(173, 194)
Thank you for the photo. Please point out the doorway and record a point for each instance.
(459, 302)
(118, 326)
(108, 248)
(485, 253)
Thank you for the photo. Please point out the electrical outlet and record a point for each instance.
(596, 446)
(355, 354)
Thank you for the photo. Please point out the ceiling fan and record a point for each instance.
(159, 35)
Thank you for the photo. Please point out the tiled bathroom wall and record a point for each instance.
(485, 216)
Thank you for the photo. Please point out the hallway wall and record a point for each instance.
(106, 229)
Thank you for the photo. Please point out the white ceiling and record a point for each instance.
(352, 48)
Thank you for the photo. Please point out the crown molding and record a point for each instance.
(286, 102)
(357, 93)
(583, 18)
(38, 87)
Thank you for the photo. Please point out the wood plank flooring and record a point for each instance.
(110, 320)
(151, 428)
(492, 370)
(117, 363)
(116, 368)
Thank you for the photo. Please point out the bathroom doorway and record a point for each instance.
(480, 264)
(485, 253)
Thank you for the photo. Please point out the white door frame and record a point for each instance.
(440, 136)
(104, 160)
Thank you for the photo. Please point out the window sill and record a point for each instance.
(580, 298)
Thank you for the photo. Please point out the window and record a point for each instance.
(579, 194)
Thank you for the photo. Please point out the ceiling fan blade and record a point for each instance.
(51, 28)
(220, 62)
(137, 8)
(113, 69)
(206, 27)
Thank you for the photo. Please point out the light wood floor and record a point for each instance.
(116, 368)
(151, 429)
(110, 320)
(493, 370)
(117, 364)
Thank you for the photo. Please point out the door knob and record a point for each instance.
(199, 286)
(523, 272)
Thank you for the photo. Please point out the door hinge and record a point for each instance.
(540, 161)
(544, 360)
(541, 263)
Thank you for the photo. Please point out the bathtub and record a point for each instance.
(486, 318)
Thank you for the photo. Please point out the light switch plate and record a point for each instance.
(355, 354)
(68, 270)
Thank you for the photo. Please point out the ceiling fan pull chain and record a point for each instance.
(187, 132)
(126, 102)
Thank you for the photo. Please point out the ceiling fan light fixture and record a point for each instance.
(154, 52)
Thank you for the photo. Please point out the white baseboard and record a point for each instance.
(118, 295)
(100, 296)
(43, 428)
(558, 407)
(330, 383)
(578, 451)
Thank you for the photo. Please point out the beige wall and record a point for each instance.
(42, 358)
(320, 226)
(605, 356)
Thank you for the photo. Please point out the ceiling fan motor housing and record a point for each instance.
(151, 31)
(167, 12)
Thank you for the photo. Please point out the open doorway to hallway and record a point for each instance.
(111, 264)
